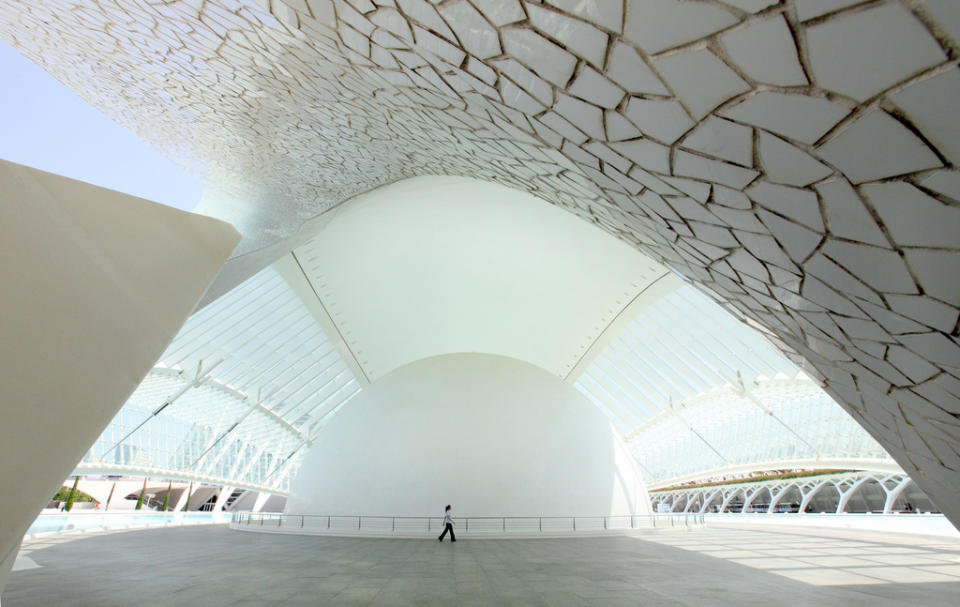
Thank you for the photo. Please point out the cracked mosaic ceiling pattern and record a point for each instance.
(794, 158)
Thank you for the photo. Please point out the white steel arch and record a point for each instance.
(697, 394)
(246, 384)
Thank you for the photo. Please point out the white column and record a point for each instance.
(225, 493)
(260, 501)
(182, 500)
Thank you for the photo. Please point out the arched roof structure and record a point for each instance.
(794, 158)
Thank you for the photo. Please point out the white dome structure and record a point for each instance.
(489, 434)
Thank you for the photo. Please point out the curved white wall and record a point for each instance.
(489, 434)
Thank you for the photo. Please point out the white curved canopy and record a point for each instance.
(440, 265)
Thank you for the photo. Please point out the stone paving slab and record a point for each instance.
(215, 566)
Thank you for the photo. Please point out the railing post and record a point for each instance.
(604, 523)
(504, 524)
(540, 524)
(301, 521)
(359, 518)
(574, 523)
(429, 520)
(393, 524)
(261, 520)
(328, 521)
(468, 526)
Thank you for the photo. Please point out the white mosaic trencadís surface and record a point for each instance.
(795, 158)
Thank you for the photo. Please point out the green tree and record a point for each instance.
(166, 498)
(71, 497)
(143, 492)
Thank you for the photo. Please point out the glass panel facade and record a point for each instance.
(695, 392)
(237, 396)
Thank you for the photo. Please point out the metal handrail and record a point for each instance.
(482, 525)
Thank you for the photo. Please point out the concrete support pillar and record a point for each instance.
(775, 497)
(262, 498)
(82, 262)
(225, 493)
(850, 492)
(807, 497)
(894, 494)
(182, 499)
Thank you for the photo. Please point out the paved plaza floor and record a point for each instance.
(214, 566)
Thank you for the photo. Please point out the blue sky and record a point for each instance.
(45, 125)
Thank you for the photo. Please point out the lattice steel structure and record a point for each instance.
(698, 394)
(831, 493)
(236, 398)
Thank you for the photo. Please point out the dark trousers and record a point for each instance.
(449, 528)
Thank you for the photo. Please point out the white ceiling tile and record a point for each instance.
(519, 99)
(751, 6)
(628, 69)
(912, 218)
(799, 205)
(548, 60)
(880, 268)
(946, 14)
(832, 273)
(697, 190)
(846, 214)
(715, 171)
(427, 15)
(937, 271)
(578, 155)
(729, 197)
(593, 87)
(648, 154)
(876, 146)
(605, 13)
(429, 42)
(663, 120)
(935, 347)
(785, 163)
(564, 127)
(722, 139)
(619, 128)
(766, 52)
(944, 181)
(799, 117)
(808, 9)
(924, 309)
(577, 36)
(501, 12)
(587, 117)
(656, 25)
(481, 70)
(933, 105)
(530, 82)
(476, 35)
(911, 365)
(863, 53)
(700, 80)
(656, 184)
(606, 154)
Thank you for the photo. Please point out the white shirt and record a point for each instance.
(447, 519)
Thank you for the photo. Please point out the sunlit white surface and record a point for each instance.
(490, 435)
(439, 265)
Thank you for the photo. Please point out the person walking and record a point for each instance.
(447, 525)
